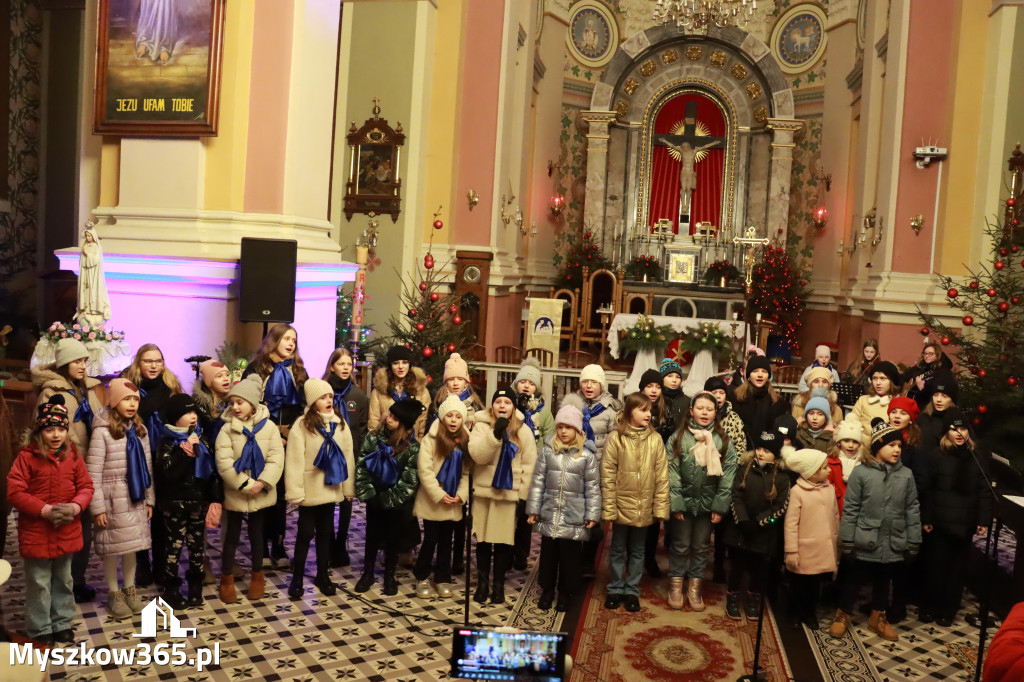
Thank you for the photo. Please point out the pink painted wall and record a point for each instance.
(925, 108)
(477, 121)
(268, 106)
(504, 321)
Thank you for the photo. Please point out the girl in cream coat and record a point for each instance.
(319, 473)
(444, 488)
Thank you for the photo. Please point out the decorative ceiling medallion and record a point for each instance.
(862, 23)
(798, 39)
(738, 71)
(761, 114)
(718, 58)
(648, 68)
(593, 34)
(630, 85)
(621, 108)
(669, 56)
(694, 53)
(754, 91)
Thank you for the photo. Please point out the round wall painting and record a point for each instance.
(593, 35)
(798, 39)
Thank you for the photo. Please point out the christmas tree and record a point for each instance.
(343, 327)
(578, 253)
(777, 293)
(989, 340)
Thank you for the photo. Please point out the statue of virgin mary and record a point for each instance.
(93, 302)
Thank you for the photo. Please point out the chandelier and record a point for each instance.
(697, 16)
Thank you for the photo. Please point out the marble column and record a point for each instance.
(783, 132)
(597, 170)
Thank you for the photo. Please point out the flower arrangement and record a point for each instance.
(645, 268)
(719, 269)
(645, 335)
(81, 332)
(706, 336)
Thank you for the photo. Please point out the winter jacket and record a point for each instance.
(156, 394)
(566, 490)
(544, 426)
(209, 411)
(733, 427)
(602, 424)
(485, 449)
(758, 412)
(635, 479)
(230, 443)
(127, 523)
(958, 499)
(375, 494)
(932, 429)
(381, 399)
(749, 503)
(358, 406)
(802, 384)
(677, 405)
(174, 476)
(1004, 660)
(797, 410)
(822, 442)
(289, 413)
(812, 527)
(835, 478)
(923, 397)
(915, 458)
(692, 490)
(867, 408)
(881, 516)
(47, 382)
(36, 481)
(303, 482)
(428, 498)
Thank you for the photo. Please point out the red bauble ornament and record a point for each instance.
(1011, 202)
(1003, 306)
(587, 235)
(1013, 249)
(991, 293)
(925, 331)
(457, 319)
(451, 347)
(452, 309)
(973, 285)
(944, 340)
(1015, 300)
(999, 265)
(1002, 252)
(428, 351)
(420, 326)
(423, 286)
(434, 296)
(982, 409)
(428, 261)
(1012, 381)
(438, 224)
(952, 292)
(412, 312)
(968, 320)
(981, 373)
(976, 421)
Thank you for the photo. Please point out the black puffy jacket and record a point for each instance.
(958, 499)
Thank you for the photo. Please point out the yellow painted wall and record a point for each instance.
(1015, 99)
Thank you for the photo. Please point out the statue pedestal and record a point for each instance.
(189, 306)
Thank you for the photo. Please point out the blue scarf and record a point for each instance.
(464, 396)
(528, 416)
(153, 425)
(341, 403)
(381, 464)
(396, 395)
(137, 474)
(503, 472)
(204, 458)
(252, 456)
(84, 411)
(451, 472)
(588, 412)
(330, 459)
(280, 388)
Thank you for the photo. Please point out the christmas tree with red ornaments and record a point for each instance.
(777, 293)
(580, 253)
(988, 340)
(431, 325)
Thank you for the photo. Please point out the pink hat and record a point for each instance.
(120, 389)
(570, 415)
(210, 369)
(456, 367)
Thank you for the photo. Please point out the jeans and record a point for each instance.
(626, 577)
(49, 601)
(691, 540)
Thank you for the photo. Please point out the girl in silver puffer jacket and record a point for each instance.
(564, 504)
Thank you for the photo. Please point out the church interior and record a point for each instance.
(683, 257)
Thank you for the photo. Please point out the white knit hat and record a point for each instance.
(69, 350)
(593, 373)
(805, 462)
(452, 404)
(849, 429)
(528, 371)
(316, 389)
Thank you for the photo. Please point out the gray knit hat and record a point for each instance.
(528, 371)
(249, 389)
(69, 350)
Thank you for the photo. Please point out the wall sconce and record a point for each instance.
(917, 223)
(518, 219)
(877, 239)
(472, 198)
(552, 166)
(557, 204)
(531, 231)
(819, 216)
(506, 203)
(875, 224)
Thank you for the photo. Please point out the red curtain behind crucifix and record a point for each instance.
(706, 204)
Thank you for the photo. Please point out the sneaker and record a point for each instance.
(752, 605)
(66, 636)
(117, 608)
(546, 600)
(632, 603)
(424, 590)
(83, 593)
(732, 605)
(444, 590)
(131, 598)
(613, 601)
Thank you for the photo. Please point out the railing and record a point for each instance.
(556, 382)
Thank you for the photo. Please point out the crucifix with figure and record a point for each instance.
(684, 148)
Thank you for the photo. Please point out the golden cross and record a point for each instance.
(376, 107)
(752, 242)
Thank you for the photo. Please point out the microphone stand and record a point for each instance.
(469, 546)
(991, 545)
(757, 670)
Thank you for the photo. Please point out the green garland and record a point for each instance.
(719, 269)
(645, 335)
(706, 336)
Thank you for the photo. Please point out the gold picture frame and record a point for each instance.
(681, 268)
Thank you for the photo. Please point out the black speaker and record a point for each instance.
(266, 291)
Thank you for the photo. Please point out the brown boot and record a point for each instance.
(227, 589)
(840, 622)
(256, 586)
(879, 624)
(675, 593)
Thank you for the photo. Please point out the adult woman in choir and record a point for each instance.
(917, 382)
(860, 370)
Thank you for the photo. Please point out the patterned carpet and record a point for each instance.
(659, 643)
(348, 636)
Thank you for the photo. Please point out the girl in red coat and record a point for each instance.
(49, 486)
